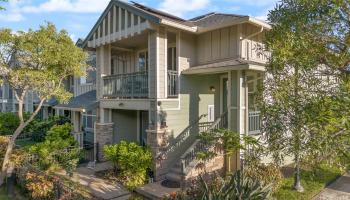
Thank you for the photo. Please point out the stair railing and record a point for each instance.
(181, 138)
(189, 158)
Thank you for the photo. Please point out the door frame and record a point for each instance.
(222, 77)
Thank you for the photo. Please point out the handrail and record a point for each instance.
(190, 156)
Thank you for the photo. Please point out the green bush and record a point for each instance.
(132, 160)
(59, 149)
(8, 123)
(234, 187)
(38, 128)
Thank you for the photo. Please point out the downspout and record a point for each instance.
(248, 37)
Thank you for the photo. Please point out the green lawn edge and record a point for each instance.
(312, 181)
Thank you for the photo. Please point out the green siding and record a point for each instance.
(195, 97)
(125, 125)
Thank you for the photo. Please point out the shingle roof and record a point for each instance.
(214, 18)
(83, 101)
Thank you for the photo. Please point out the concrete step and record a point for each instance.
(176, 170)
(173, 176)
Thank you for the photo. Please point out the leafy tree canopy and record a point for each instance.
(305, 98)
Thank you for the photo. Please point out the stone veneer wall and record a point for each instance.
(215, 165)
(104, 136)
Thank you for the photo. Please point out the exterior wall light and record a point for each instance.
(212, 88)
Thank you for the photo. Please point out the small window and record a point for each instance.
(106, 25)
(143, 61)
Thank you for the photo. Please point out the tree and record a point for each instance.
(305, 95)
(37, 61)
(2, 8)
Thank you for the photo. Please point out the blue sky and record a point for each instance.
(78, 16)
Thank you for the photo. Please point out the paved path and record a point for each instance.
(100, 188)
(339, 190)
(155, 191)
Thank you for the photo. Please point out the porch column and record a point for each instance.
(236, 122)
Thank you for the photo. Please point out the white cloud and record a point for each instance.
(181, 7)
(76, 6)
(12, 12)
(255, 2)
(11, 17)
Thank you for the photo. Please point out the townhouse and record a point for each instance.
(161, 80)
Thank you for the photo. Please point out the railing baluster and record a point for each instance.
(134, 85)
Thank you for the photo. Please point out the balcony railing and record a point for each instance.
(172, 83)
(133, 85)
(254, 122)
(254, 51)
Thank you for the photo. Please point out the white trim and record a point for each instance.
(222, 77)
(180, 26)
(166, 63)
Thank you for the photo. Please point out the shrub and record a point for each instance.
(234, 187)
(38, 186)
(8, 123)
(38, 128)
(266, 174)
(3, 146)
(58, 150)
(132, 160)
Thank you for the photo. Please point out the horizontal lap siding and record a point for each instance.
(194, 102)
(125, 125)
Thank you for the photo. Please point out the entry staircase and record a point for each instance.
(182, 163)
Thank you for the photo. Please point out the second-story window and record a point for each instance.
(143, 61)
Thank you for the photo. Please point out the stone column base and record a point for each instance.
(104, 136)
(157, 140)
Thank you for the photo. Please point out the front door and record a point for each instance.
(143, 127)
(224, 94)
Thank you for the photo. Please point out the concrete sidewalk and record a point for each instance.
(339, 190)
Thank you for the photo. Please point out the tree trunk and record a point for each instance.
(8, 153)
(297, 181)
(18, 131)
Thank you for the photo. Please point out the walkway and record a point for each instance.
(156, 191)
(100, 188)
(339, 190)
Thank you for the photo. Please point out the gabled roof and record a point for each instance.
(196, 25)
(84, 101)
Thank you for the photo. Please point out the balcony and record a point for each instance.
(126, 86)
(254, 121)
(254, 51)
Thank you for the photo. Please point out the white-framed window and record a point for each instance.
(254, 81)
(89, 119)
(82, 80)
(143, 61)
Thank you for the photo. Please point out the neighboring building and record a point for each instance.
(81, 108)
(8, 101)
(161, 80)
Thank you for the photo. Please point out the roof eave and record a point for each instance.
(166, 22)
(123, 5)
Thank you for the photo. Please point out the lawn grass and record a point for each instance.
(3, 195)
(313, 183)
